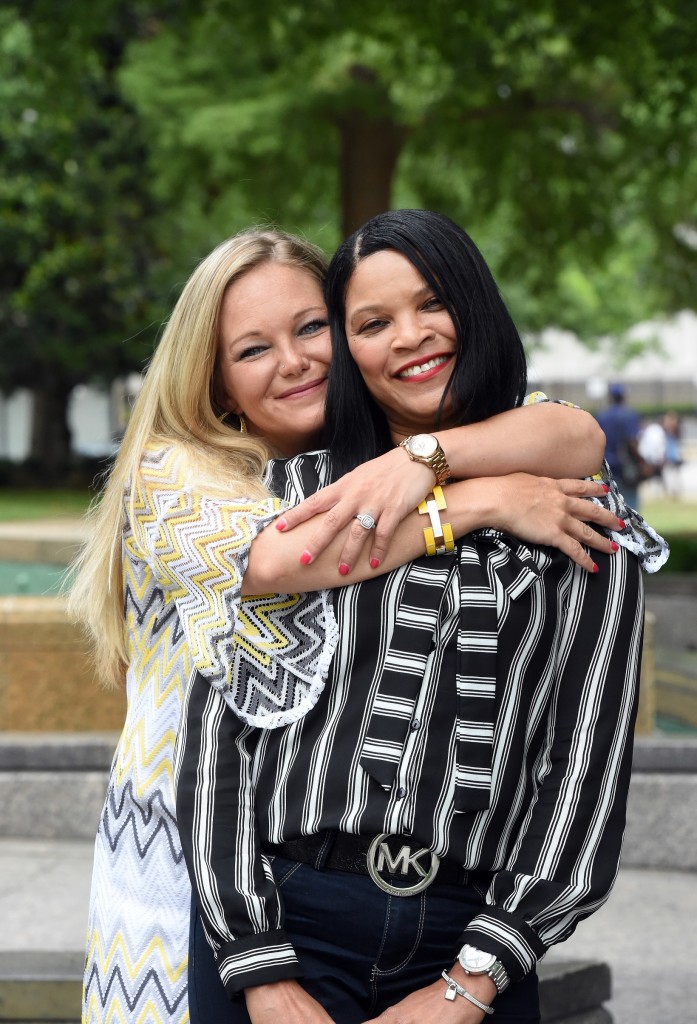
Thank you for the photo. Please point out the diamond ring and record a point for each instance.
(366, 520)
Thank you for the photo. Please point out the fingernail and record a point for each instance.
(614, 545)
(595, 567)
(621, 522)
(374, 563)
(281, 524)
(344, 569)
(305, 558)
(605, 488)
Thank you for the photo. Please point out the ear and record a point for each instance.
(220, 396)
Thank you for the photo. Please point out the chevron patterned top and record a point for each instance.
(184, 556)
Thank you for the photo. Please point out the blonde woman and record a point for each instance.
(159, 583)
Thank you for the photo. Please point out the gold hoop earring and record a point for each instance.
(243, 425)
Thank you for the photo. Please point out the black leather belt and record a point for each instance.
(387, 859)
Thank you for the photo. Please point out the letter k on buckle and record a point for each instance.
(379, 857)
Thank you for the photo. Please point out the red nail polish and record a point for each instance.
(595, 567)
(374, 563)
(605, 488)
(621, 522)
(281, 524)
(305, 558)
(344, 569)
(614, 545)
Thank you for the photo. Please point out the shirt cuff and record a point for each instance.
(257, 960)
(508, 937)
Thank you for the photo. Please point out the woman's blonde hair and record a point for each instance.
(177, 405)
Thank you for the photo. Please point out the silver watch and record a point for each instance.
(476, 961)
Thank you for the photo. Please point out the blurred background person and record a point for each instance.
(673, 458)
(652, 452)
(621, 426)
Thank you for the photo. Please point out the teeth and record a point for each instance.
(412, 371)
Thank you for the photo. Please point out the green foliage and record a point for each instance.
(76, 256)
(562, 136)
(683, 553)
(24, 505)
(135, 134)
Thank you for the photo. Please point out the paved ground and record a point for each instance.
(44, 888)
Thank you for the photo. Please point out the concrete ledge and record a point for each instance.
(47, 679)
(52, 785)
(663, 754)
(573, 991)
(47, 986)
(41, 986)
(661, 821)
(79, 751)
(52, 541)
(42, 805)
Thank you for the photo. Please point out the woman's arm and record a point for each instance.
(567, 852)
(535, 509)
(231, 879)
(549, 438)
(569, 848)
(197, 546)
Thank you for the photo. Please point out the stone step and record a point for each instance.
(52, 785)
(37, 987)
(47, 986)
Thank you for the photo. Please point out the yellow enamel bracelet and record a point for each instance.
(438, 536)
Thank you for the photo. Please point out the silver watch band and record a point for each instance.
(497, 972)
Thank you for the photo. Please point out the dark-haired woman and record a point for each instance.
(454, 803)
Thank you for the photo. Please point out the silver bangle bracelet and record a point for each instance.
(454, 989)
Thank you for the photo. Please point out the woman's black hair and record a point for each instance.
(489, 375)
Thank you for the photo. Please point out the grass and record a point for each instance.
(671, 517)
(23, 505)
(666, 516)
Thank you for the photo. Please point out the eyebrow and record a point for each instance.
(362, 310)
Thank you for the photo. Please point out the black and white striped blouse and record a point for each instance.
(482, 702)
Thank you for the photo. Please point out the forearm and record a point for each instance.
(546, 438)
(236, 897)
(566, 857)
(274, 561)
(535, 510)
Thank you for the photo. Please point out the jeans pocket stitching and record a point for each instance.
(283, 878)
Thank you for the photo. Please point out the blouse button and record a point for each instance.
(415, 724)
(401, 793)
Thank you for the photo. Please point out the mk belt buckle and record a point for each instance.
(380, 856)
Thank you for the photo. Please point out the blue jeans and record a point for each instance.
(360, 949)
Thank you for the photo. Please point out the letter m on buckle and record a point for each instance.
(380, 857)
(405, 858)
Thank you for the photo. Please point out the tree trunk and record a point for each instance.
(370, 148)
(50, 433)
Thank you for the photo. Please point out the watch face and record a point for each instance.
(476, 960)
(423, 444)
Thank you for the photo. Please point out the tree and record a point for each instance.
(562, 135)
(136, 133)
(76, 256)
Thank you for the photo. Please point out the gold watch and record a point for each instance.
(426, 448)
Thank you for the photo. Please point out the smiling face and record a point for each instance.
(273, 355)
(402, 339)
